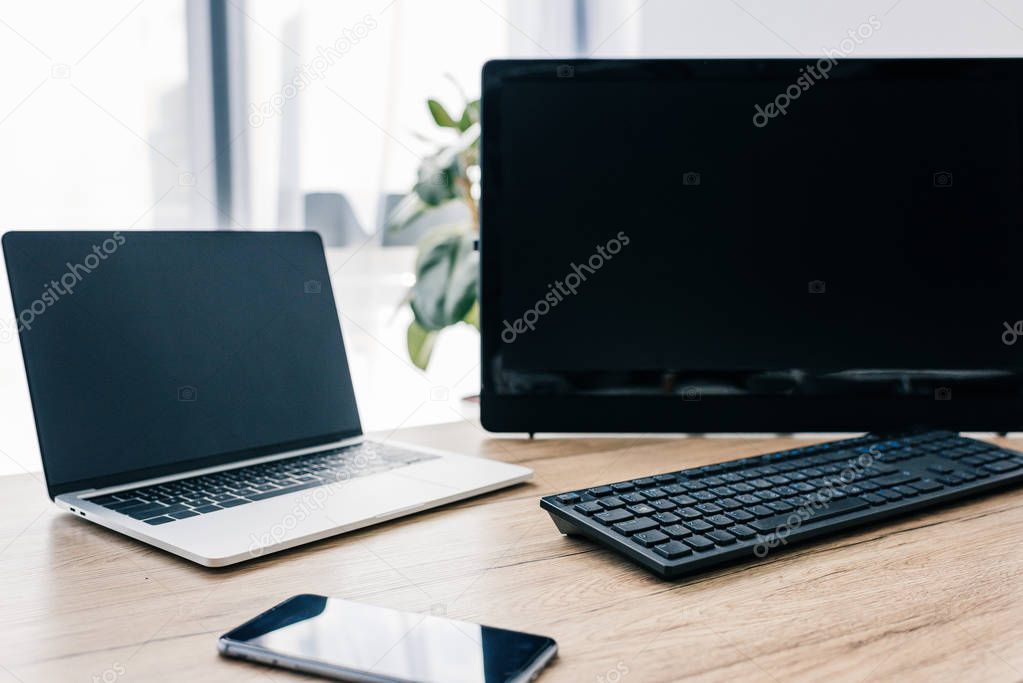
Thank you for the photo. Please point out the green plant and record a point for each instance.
(447, 265)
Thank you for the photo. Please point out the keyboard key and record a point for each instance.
(641, 509)
(896, 479)
(588, 508)
(906, 491)
(742, 531)
(834, 509)
(889, 494)
(740, 515)
(644, 482)
(152, 511)
(649, 538)
(184, 514)
(708, 508)
(611, 502)
(564, 498)
(284, 491)
(159, 520)
(598, 491)
(667, 518)
(721, 537)
(673, 550)
(623, 487)
(689, 513)
(613, 517)
(874, 499)
(926, 486)
(654, 494)
(699, 543)
(698, 525)
(720, 521)
(761, 511)
(635, 497)
(233, 502)
(1002, 466)
(683, 500)
(635, 526)
(122, 504)
(662, 505)
(780, 506)
(208, 508)
(676, 531)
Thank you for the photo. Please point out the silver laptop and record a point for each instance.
(191, 390)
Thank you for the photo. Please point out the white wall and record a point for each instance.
(788, 28)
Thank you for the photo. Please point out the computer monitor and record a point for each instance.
(752, 245)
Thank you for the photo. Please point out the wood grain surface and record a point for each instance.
(935, 596)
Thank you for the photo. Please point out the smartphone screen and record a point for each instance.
(363, 642)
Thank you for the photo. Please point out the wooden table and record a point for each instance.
(935, 596)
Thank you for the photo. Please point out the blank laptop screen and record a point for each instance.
(149, 353)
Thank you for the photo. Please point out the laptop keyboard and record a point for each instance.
(203, 495)
(681, 522)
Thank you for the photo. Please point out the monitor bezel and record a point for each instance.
(675, 414)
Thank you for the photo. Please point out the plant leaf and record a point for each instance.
(437, 178)
(473, 316)
(440, 115)
(420, 344)
(470, 115)
(447, 272)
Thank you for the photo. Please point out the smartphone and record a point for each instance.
(352, 641)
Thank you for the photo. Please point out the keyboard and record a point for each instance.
(210, 493)
(683, 522)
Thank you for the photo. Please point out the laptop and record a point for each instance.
(191, 390)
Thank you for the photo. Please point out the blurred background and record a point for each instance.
(280, 114)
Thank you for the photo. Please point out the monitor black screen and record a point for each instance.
(152, 352)
(736, 245)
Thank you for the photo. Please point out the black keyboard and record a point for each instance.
(683, 522)
(206, 494)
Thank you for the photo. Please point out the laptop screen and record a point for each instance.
(154, 352)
